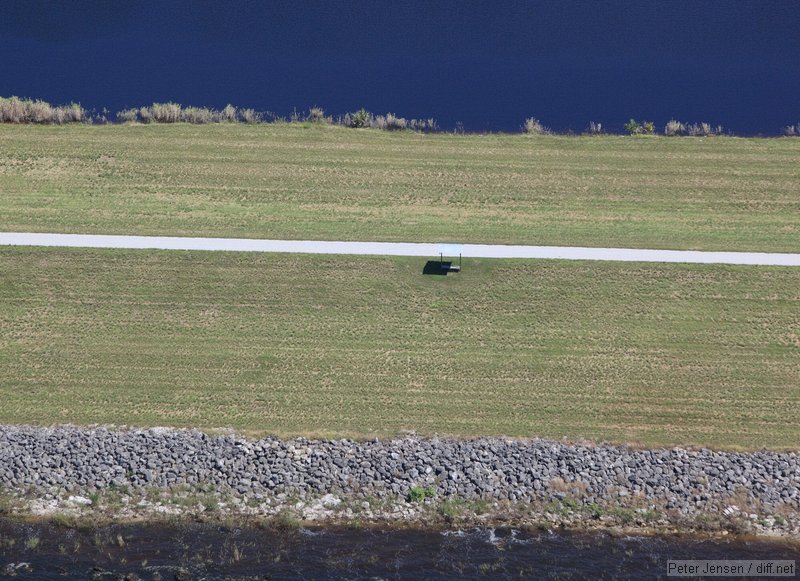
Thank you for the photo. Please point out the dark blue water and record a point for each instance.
(203, 551)
(487, 64)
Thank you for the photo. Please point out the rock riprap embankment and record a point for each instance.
(490, 468)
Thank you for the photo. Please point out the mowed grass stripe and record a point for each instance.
(332, 183)
(364, 346)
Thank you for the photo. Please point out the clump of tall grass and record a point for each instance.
(250, 116)
(16, 110)
(145, 114)
(703, 130)
(167, 112)
(674, 128)
(128, 115)
(197, 115)
(533, 126)
(423, 125)
(594, 128)
(177, 113)
(792, 130)
(389, 122)
(317, 115)
(229, 114)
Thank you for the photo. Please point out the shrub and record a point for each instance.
(674, 128)
(358, 119)
(40, 112)
(74, 113)
(792, 130)
(250, 116)
(633, 127)
(317, 115)
(197, 115)
(644, 128)
(532, 126)
(127, 115)
(145, 114)
(16, 110)
(228, 114)
(12, 110)
(595, 128)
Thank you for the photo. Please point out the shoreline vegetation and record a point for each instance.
(77, 476)
(16, 110)
(226, 508)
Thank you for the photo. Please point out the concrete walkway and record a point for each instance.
(395, 249)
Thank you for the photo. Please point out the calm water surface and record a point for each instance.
(487, 64)
(202, 551)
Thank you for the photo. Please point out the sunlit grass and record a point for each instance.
(657, 354)
(314, 181)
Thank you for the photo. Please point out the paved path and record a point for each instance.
(396, 249)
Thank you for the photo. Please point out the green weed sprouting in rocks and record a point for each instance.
(594, 510)
(64, 520)
(6, 503)
(624, 515)
(153, 494)
(210, 502)
(649, 515)
(420, 493)
(451, 509)
(563, 507)
(480, 506)
(285, 520)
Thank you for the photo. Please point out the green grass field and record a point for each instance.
(320, 182)
(656, 354)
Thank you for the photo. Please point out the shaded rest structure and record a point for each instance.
(450, 250)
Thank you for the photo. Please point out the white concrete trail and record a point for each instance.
(395, 248)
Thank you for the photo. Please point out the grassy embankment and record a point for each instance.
(323, 182)
(362, 346)
(657, 354)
